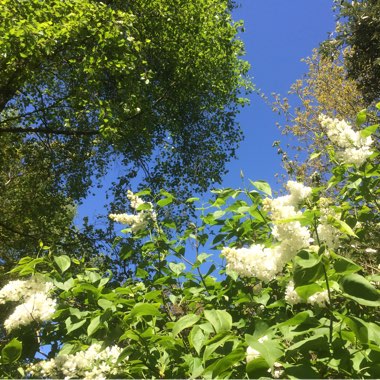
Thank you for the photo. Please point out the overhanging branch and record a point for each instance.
(49, 131)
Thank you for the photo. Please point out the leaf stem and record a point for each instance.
(328, 287)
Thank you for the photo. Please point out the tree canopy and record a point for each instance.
(358, 29)
(285, 302)
(153, 85)
(256, 284)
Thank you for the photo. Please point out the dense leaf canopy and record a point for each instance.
(359, 29)
(152, 85)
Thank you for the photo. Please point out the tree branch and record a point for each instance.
(49, 131)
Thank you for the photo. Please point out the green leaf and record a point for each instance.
(361, 117)
(177, 268)
(94, 325)
(270, 349)
(305, 291)
(306, 259)
(203, 257)
(63, 262)
(197, 338)
(144, 206)
(342, 265)
(218, 238)
(141, 273)
(142, 309)
(11, 352)
(82, 288)
(105, 304)
(27, 268)
(227, 362)
(360, 290)
(341, 226)
(67, 285)
(216, 342)
(66, 349)
(374, 332)
(153, 295)
(261, 329)
(257, 368)
(297, 319)
(304, 275)
(220, 320)
(184, 323)
(130, 335)
(301, 371)
(73, 326)
(262, 186)
(315, 343)
(191, 200)
(369, 130)
(314, 155)
(359, 327)
(218, 214)
(164, 202)
(195, 368)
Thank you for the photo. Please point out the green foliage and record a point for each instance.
(11, 352)
(177, 315)
(154, 86)
(359, 31)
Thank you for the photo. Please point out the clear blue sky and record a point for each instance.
(278, 34)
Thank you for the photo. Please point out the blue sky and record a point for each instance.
(278, 34)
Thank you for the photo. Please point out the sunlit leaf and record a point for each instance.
(11, 352)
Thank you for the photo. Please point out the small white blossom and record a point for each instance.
(319, 298)
(138, 221)
(291, 296)
(277, 370)
(252, 354)
(134, 199)
(354, 149)
(298, 192)
(93, 363)
(329, 235)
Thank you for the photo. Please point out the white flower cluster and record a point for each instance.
(319, 298)
(291, 235)
(265, 263)
(93, 363)
(327, 233)
(36, 306)
(354, 149)
(21, 289)
(256, 261)
(138, 221)
(292, 297)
